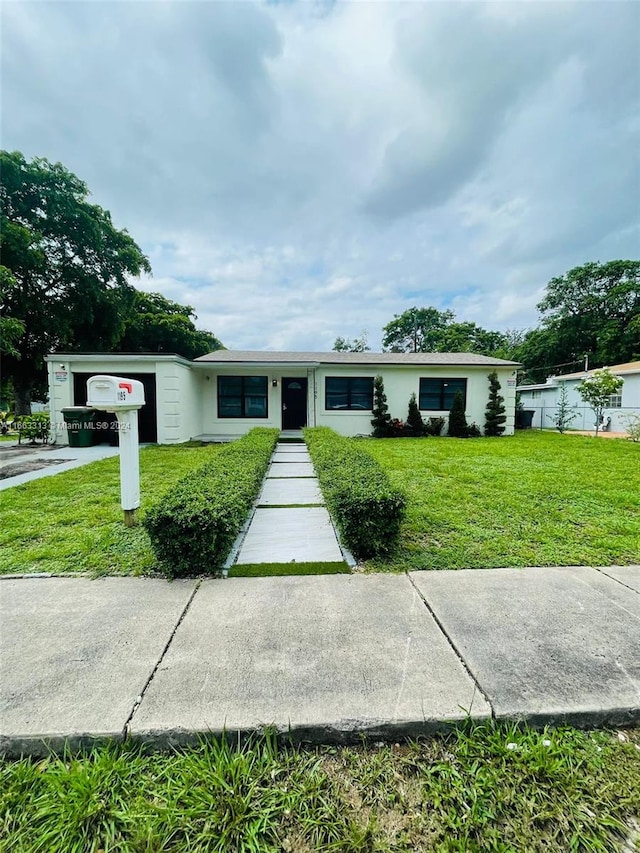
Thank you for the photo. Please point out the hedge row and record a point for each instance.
(362, 501)
(193, 527)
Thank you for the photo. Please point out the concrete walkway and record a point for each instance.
(53, 459)
(290, 523)
(324, 657)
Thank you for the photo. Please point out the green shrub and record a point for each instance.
(414, 423)
(33, 427)
(495, 417)
(434, 426)
(364, 505)
(458, 427)
(193, 527)
(381, 417)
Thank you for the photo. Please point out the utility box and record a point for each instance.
(114, 393)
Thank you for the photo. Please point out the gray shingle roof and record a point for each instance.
(470, 359)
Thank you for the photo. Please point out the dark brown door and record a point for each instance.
(294, 403)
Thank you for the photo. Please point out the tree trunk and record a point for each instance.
(22, 398)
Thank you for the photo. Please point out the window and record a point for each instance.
(348, 393)
(438, 394)
(242, 396)
(535, 394)
(615, 401)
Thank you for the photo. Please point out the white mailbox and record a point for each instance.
(124, 397)
(114, 393)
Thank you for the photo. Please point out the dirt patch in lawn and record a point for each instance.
(25, 466)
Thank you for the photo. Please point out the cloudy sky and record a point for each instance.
(298, 171)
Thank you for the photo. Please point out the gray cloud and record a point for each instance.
(300, 171)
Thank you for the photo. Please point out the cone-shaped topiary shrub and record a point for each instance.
(381, 417)
(457, 418)
(414, 422)
(494, 416)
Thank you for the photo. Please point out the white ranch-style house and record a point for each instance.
(543, 399)
(226, 393)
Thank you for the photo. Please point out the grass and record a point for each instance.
(268, 570)
(72, 521)
(537, 498)
(479, 789)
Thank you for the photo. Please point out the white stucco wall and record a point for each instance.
(213, 425)
(545, 401)
(178, 401)
(178, 407)
(400, 382)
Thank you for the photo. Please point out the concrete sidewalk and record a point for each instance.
(53, 459)
(323, 657)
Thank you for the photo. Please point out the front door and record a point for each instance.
(294, 403)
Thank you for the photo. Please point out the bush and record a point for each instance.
(495, 417)
(193, 527)
(364, 505)
(473, 431)
(381, 417)
(415, 424)
(632, 426)
(457, 418)
(434, 426)
(34, 427)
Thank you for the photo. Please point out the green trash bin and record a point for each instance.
(80, 425)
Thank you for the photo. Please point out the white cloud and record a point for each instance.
(301, 171)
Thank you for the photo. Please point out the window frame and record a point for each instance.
(244, 394)
(614, 405)
(349, 407)
(442, 380)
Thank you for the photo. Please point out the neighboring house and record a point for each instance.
(228, 392)
(543, 399)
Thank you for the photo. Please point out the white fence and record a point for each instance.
(614, 419)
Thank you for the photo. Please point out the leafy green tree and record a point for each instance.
(381, 417)
(494, 416)
(596, 390)
(360, 344)
(157, 324)
(595, 309)
(458, 427)
(564, 414)
(415, 330)
(469, 337)
(414, 418)
(66, 269)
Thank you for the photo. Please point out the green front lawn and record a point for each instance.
(536, 498)
(72, 521)
(480, 789)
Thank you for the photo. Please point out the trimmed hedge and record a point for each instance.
(362, 501)
(193, 527)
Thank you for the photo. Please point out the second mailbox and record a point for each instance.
(114, 393)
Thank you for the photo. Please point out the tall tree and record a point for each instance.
(416, 330)
(67, 268)
(595, 309)
(157, 324)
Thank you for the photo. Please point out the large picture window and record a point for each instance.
(437, 394)
(348, 394)
(242, 397)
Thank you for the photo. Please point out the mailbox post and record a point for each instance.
(123, 397)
